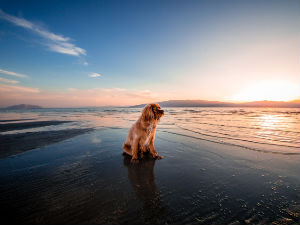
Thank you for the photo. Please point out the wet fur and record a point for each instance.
(141, 135)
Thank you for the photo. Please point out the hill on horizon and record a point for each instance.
(205, 103)
(23, 106)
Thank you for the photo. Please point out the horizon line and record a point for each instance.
(295, 101)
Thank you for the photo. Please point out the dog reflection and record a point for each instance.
(142, 179)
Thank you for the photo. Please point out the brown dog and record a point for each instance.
(141, 135)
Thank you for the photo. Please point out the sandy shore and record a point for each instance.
(87, 180)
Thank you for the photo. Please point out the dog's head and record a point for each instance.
(152, 112)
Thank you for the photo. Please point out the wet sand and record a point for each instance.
(87, 180)
(27, 125)
(12, 144)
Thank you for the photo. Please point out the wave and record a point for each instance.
(239, 139)
(236, 145)
(244, 127)
(266, 137)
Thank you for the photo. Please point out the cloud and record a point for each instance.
(5, 88)
(66, 48)
(12, 73)
(55, 42)
(95, 75)
(8, 81)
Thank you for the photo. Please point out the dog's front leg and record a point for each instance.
(152, 148)
(135, 149)
(142, 147)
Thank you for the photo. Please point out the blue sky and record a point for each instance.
(145, 50)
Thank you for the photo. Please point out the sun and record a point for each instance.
(269, 90)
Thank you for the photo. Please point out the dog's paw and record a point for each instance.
(134, 161)
(159, 157)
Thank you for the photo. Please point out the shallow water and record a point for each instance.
(262, 129)
(202, 179)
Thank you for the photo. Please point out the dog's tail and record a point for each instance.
(127, 148)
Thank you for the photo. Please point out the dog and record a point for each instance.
(141, 135)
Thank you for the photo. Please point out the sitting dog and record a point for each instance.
(141, 135)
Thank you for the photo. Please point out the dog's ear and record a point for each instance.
(147, 114)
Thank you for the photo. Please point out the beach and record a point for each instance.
(80, 176)
(150, 112)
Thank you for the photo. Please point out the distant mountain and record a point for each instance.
(191, 103)
(271, 104)
(24, 106)
(204, 103)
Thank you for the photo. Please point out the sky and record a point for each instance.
(105, 53)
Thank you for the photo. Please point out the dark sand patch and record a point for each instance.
(12, 144)
(14, 120)
(26, 125)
